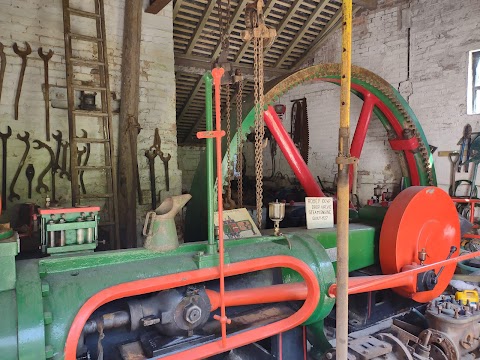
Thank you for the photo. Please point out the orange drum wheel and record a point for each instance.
(420, 218)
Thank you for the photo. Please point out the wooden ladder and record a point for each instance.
(104, 191)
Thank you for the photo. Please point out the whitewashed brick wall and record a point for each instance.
(40, 23)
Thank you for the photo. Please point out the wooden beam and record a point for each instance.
(236, 16)
(156, 6)
(176, 8)
(311, 19)
(191, 97)
(201, 25)
(128, 124)
(192, 64)
(332, 25)
(245, 45)
(188, 137)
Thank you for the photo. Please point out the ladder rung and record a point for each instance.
(94, 196)
(78, 61)
(103, 167)
(88, 88)
(89, 113)
(85, 37)
(83, 13)
(90, 140)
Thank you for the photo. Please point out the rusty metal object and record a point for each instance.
(46, 57)
(3, 64)
(24, 55)
(40, 183)
(30, 173)
(4, 138)
(25, 139)
(58, 138)
(151, 154)
(63, 168)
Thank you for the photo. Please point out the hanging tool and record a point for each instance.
(157, 143)
(85, 162)
(46, 57)
(58, 138)
(23, 54)
(454, 157)
(4, 165)
(25, 139)
(40, 184)
(63, 168)
(465, 148)
(3, 59)
(475, 159)
(79, 162)
(151, 154)
(30, 173)
(299, 126)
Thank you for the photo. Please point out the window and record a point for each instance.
(473, 92)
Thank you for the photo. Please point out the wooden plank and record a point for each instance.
(156, 6)
(201, 25)
(311, 19)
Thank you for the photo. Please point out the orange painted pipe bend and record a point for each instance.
(145, 286)
(261, 295)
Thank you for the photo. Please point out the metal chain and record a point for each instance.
(259, 128)
(228, 199)
(239, 100)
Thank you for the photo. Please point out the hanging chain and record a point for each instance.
(228, 199)
(239, 104)
(259, 128)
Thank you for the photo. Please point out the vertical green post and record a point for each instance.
(211, 246)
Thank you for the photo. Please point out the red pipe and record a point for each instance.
(262, 295)
(145, 286)
(291, 153)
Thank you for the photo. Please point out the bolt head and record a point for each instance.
(193, 313)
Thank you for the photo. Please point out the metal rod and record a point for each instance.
(211, 246)
(343, 185)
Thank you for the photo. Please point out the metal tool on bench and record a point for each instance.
(465, 147)
(3, 65)
(30, 173)
(25, 139)
(46, 57)
(40, 184)
(4, 138)
(24, 55)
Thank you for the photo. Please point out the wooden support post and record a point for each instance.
(128, 123)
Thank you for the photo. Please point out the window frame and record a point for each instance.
(472, 88)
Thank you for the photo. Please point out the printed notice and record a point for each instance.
(319, 212)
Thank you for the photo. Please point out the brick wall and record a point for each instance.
(40, 23)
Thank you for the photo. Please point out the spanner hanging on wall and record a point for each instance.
(25, 139)
(24, 55)
(151, 154)
(45, 58)
(85, 162)
(157, 143)
(64, 170)
(3, 59)
(41, 185)
(58, 138)
(4, 138)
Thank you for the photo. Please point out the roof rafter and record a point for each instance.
(194, 127)
(311, 19)
(199, 30)
(192, 96)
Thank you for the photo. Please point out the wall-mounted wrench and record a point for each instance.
(3, 59)
(63, 168)
(157, 143)
(40, 184)
(23, 54)
(85, 162)
(26, 140)
(4, 138)
(45, 58)
(58, 138)
(151, 154)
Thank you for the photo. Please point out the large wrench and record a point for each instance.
(85, 161)
(4, 138)
(23, 54)
(63, 168)
(45, 58)
(40, 184)
(3, 59)
(58, 139)
(151, 155)
(25, 139)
